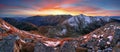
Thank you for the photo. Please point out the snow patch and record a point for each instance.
(102, 35)
(6, 26)
(73, 21)
(100, 40)
(64, 31)
(22, 41)
(110, 38)
(84, 36)
(87, 19)
(111, 25)
(95, 36)
(108, 42)
(52, 43)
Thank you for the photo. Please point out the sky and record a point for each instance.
(59, 7)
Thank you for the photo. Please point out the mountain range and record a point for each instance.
(62, 34)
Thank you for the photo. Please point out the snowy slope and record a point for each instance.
(85, 20)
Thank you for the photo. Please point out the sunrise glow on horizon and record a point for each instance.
(59, 7)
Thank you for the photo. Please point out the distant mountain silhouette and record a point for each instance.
(47, 20)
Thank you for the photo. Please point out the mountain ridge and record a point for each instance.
(78, 43)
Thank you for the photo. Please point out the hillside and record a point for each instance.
(46, 20)
(102, 39)
(105, 38)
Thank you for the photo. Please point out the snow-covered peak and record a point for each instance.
(75, 21)
(86, 18)
(81, 15)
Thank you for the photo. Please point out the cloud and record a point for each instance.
(34, 7)
(1, 5)
(105, 13)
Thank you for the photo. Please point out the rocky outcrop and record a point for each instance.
(40, 47)
(116, 38)
(104, 39)
(27, 47)
(116, 41)
(67, 47)
(9, 44)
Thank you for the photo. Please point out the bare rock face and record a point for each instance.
(116, 41)
(67, 47)
(2, 30)
(40, 47)
(116, 37)
(81, 49)
(27, 47)
(8, 44)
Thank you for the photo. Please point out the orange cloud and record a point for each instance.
(90, 11)
(68, 10)
(63, 7)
